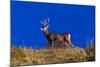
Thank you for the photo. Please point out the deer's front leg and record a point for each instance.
(49, 44)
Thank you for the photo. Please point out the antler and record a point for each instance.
(45, 22)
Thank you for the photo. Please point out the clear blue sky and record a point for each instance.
(77, 20)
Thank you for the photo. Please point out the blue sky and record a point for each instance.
(78, 20)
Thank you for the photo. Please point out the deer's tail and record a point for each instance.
(69, 39)
(69, 35)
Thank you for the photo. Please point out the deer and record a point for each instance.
(55, 40)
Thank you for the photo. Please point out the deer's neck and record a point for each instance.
(46, 32)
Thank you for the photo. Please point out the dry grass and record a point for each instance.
(90, 53)
(23, 56)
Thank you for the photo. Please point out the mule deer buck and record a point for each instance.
(55, 39)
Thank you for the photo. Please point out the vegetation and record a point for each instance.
(90, 52)
(25, 56)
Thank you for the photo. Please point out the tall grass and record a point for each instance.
(25, 56)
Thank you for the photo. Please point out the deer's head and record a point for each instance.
(45, 24)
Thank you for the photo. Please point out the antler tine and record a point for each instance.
(48, 19)
(45, 22)
(42, 22)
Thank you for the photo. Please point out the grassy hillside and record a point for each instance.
(24, 56)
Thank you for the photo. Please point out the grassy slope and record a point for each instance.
(24, 56)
